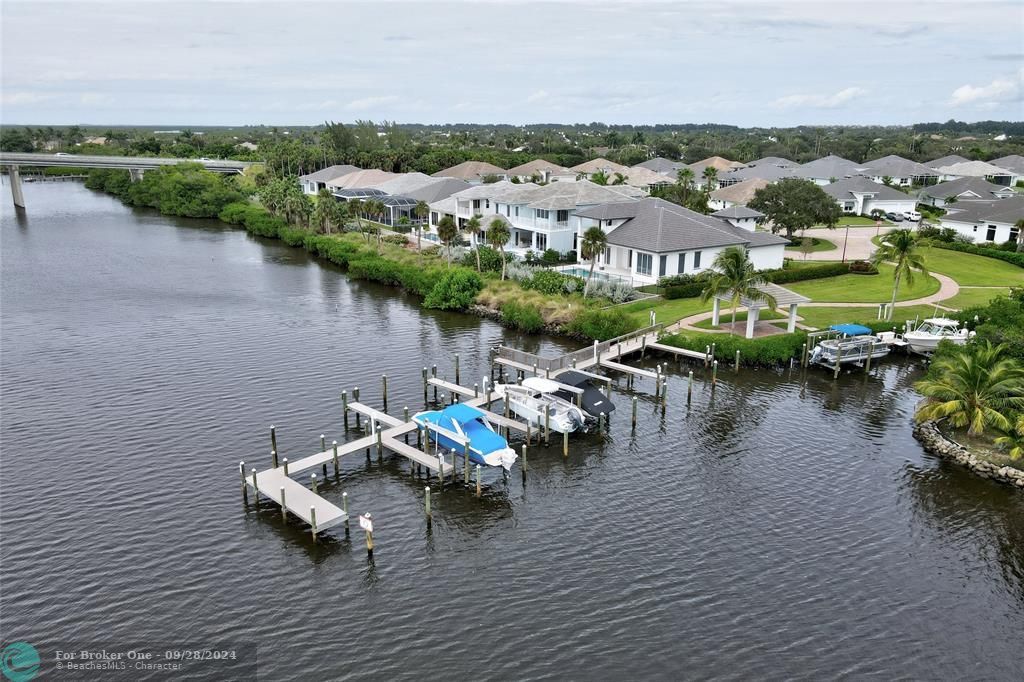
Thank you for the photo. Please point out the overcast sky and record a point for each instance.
(744, 63)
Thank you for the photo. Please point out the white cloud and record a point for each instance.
(1000, 90)
(371, 102)
(537, 96)
(22, 98)
(820, 101)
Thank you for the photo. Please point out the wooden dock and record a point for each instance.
(626, 369)
(696, 355)
(297, 499)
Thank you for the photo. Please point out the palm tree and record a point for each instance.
(620, 179)
(592, 245)
(1013, 439)
(355, 210)
(422, 212)
(471, 228)
(733, 275)
(900, 248)
(975, 388)
(323, 212)
(447, 232)
(685, 177)
(497, 236)
(599, 178)
(710, 176)
(297, 208)
(339, 214)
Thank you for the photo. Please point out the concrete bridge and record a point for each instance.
(135, 165)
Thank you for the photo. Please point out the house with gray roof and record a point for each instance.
(945, 161)
(860, 196)
(963, 189)
(987, 221)
(314, 182)
(739, 194)
(766, 172)
(651, 238)
(1013, 162)
(900, 171)
(774, 161)
(826, 169)
(660, 164)
(541, 216)
(979, 169)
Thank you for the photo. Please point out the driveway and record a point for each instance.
(858, 243)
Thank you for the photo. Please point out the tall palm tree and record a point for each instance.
(599, 178)
(339, 214)
(323, 211)
(592, 245)
(710, 176)
(733, 275)
(497, 236)
(422, 212)
(297, 208)
(900, 248)
(471, 228)
(355, 210)
(685, 177)
(448, 232)
(975, 388)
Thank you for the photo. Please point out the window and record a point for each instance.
(508, 210)
(562, 216)
(542, 242)
(682, 263)
(662, 265)
(696, 260)
(630, 266)
(476, 204)
(644, 261)
(608, 256)
(433, 217)
(990, 235)
(1014, 234)
(607, 223)
(517, 211)
(975, 228)
(848, 207)
(541, 213)
(487, 203)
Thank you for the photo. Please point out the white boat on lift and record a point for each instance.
(854, 343)
(536, 395)
(925, 337)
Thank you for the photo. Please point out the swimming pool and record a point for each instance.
(583, 272)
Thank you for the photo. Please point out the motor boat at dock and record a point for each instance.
(536, 401)
(853, 343)
(926, 336)
(455, 425)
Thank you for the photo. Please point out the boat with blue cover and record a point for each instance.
(852, 343)
(453, 426)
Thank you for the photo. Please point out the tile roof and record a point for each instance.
(659, 226)
(1013, 162)
(641, 176)
(660, 164)
(954, 188)
(945, 161)
(741, 192)
(895, 167)
(370, 177)
(538, 166)
(997, 211)
(774, 161)
(974, 169)
(470, 170)
(845, 189)
(599, 164)
(719, 163)
(827, 167)
(766, 172)
(738, 212)
(329, 173)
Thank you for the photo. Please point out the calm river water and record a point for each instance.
(772, 530)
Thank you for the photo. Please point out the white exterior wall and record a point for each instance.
(897, 207)
(978, 232)
(767, 257)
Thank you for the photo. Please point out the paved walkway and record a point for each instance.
(948, 288)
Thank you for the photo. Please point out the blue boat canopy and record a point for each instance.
(851, 329)
(462, 414)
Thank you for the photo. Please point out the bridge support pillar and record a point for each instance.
(15, 177)
(135, 174)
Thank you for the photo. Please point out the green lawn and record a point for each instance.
(971, 297)
(970, 270)
(819, 245)
(825, 317)
(851, 220)
(867, 288)
(666, 311)
(741, 316)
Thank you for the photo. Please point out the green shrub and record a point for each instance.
(863, 267)
(551, 283)
(522, 316)
(767, 351)
(490, 259)
(550, 257)
(1008, 256)
(683, 291)
(456, 290)
(602, 324)
(396, 239)
(292, 236)
(802, 274)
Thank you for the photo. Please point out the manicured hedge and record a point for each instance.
(1008, 256)
(689, 286)
(803, 274)
(683, 291)
(768, 350)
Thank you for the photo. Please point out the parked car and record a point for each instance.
(894, 217)
(912, 216)
(62, 154)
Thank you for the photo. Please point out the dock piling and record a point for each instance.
(273, 458)
(689, 388)
(344, 508)
(285, 462)
(344, 408)
(440, 468)
(312, 519)
(547, 424)
(707, 354)
(256, 491)
(602, 422)
(284, 509)
(426, 503)
(433, 375)
(457, 369)
(334, 445)
(380, 445)
(273, 438)
(355, 396)
(737, 367)
(369, 536)
(424, 386)
(867, 363)
(839, 354)
(714, 373)
(713, 351)
(565, 444)
(478, 480)
(241, 472)
(633, 423)
(524, 463)
(405, 418)
(384, 389)
(312, 480)
(465, 463)
(803, 355)
(476, 390)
